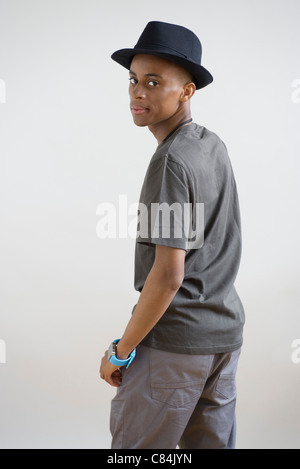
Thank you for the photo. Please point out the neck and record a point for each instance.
(162, 129)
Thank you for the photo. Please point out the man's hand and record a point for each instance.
(161, 285)
(109, 372)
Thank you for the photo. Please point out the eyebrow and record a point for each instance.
(146, 74)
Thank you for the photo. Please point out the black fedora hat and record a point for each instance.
(172, 42)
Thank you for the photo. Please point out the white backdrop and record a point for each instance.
(68, 143)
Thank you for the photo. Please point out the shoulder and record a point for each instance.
(193, 140)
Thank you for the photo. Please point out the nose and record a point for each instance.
(138, 91)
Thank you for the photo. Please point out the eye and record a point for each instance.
(153, 83)
(132, 80)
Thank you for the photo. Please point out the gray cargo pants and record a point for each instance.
(169, 399)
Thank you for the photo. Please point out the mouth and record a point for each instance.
(138, 110)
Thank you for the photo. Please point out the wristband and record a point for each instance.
(112, 355)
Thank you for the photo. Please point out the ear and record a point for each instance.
(187, 91)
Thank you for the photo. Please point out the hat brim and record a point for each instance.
(202, 77)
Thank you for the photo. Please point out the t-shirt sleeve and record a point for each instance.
(164, 211)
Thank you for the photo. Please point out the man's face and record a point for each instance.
(156, 89)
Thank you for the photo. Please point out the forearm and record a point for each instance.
(154, 299)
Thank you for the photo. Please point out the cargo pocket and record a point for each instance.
(173, 378)
(176, 394)
(116, 422)
(226, 387)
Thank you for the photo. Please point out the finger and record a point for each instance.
(102, 364)
(113, 381)
(117, 377)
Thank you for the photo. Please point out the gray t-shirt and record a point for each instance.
(190, 183)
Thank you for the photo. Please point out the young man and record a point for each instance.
(176, 362)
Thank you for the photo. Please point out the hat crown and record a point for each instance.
(176, 38)
(171, 42)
